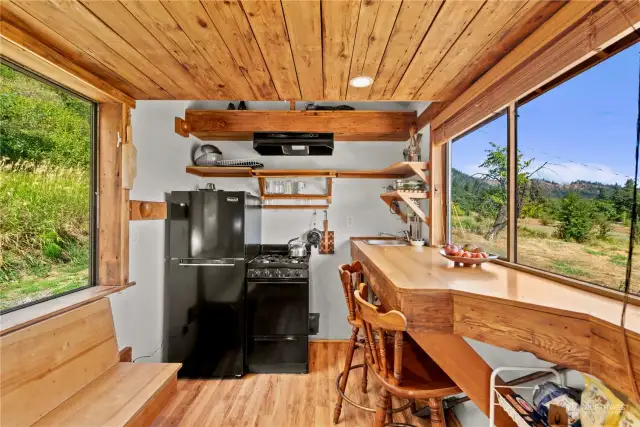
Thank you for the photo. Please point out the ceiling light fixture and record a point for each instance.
(361, 81)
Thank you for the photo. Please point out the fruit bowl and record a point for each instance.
(472, 255)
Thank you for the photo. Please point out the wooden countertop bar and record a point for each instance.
(503, 307)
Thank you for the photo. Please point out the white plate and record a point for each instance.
(467, 261)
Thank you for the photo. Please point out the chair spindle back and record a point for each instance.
(382, 323)
(350, 276)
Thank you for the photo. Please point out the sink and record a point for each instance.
(385, 242)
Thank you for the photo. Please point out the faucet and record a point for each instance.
(405, 235)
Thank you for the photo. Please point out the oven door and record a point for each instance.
(277, 307)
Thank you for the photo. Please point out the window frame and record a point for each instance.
(512, 143)
(448, 180)
(93, 182)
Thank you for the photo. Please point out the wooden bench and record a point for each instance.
(65, 371)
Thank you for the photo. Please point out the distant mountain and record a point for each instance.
(590, 190)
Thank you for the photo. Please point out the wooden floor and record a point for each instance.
(277, 400)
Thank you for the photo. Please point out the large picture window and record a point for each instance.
(479, 187)
(46, 189)
(574, 149)
(577, 208)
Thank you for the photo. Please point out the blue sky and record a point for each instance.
(585, 128)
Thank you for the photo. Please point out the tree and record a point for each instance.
(575, 218)
(496, 173)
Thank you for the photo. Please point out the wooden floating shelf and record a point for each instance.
(406, 197)
(296, 207)
(398, 170)
(239, 125)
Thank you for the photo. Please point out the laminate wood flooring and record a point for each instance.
(278, 400)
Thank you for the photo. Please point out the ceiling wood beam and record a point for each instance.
(575, 41)
(270, 30)
(412, 23)
(562, 20)
(304, 24)
(451, 21)
(346, 125)
(175, 78)
(375, 23)
(340, 21)
(33, 54)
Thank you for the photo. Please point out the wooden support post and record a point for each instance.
(464, 366)
(111, 195)
(437, 193)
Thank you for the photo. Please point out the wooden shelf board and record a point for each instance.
(220, 172)
(234, 125)
(296, 196)
(395, 171)
(406, 197)
(400, 195)
(285, 173)
(296, 207)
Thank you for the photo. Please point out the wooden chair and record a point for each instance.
(402, 367)
(350, 276)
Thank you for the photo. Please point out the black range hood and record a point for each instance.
(293, 143)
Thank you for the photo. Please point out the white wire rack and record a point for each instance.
(501, 401)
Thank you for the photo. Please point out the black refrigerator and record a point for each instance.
(210, 236)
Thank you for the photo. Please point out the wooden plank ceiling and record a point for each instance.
(424, 50)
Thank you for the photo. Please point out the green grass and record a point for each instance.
(594, 252)
(619, 260)
(568, 269)
(44, 232)
(60, 280)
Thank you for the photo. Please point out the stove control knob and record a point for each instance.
(267, 273)
(287, 272)
(298, 273)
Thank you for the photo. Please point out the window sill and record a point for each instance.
(27, 316)
(569, 281)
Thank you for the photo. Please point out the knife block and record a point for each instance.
(327, 241)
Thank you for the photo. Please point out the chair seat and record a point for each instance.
(422, 378)
(120, 395)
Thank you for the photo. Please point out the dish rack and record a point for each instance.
(501, 401)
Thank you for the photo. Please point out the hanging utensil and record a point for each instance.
(314, 236)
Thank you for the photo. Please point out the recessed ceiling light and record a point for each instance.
(361, 81)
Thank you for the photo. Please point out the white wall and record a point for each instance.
(162, 157)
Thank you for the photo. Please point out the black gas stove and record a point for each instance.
(278, 311)
(274, 262)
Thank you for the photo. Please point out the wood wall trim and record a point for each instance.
(437, 194)
(142, 210)
(113, 225)
(577, 32)
(24, 49)
(345, 125)
(28, 316)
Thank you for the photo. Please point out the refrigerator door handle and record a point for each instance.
(202, 263)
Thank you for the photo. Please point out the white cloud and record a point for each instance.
(566, 173)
